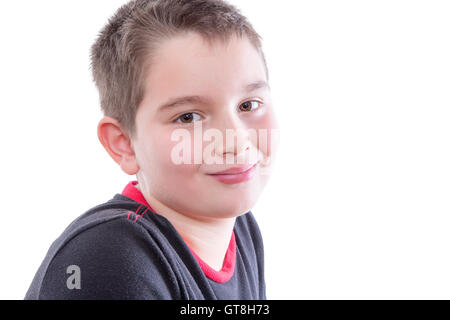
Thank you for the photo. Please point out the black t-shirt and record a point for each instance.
(122, 249)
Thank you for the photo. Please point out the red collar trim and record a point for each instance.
(227, 270)
(134, 193)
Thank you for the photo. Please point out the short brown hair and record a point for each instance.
(121, 55)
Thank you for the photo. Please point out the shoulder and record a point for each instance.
(248, 228)
(114, 259)
(252, 248)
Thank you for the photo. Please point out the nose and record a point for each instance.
(235, 133)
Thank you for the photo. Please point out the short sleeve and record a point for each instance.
(114, 260)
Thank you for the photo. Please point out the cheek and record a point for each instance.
(267, 129)
(166, 151)
(154, 153)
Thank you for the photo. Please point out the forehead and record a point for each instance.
(189, 65)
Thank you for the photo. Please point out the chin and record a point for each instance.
(233, 208)
(229, 214)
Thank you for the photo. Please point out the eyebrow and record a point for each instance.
(176, 102)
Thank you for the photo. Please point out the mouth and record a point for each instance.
(236, 175)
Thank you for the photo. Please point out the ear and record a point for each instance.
(117, 143)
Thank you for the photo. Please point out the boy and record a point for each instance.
(165, 68)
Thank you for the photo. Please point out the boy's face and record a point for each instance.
(188, 66)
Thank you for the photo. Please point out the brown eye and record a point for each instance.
(186, 118)
(247, 106)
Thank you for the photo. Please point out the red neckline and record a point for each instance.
(222, 275)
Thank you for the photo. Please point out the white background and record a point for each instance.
(358, 206)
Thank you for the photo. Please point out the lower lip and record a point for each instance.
(235, 178)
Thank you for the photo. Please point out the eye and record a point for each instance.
(186, 118)
(247, 106)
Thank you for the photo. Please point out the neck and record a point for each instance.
(208, 237)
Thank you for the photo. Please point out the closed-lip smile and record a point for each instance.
(236, 174)
(236, 170)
